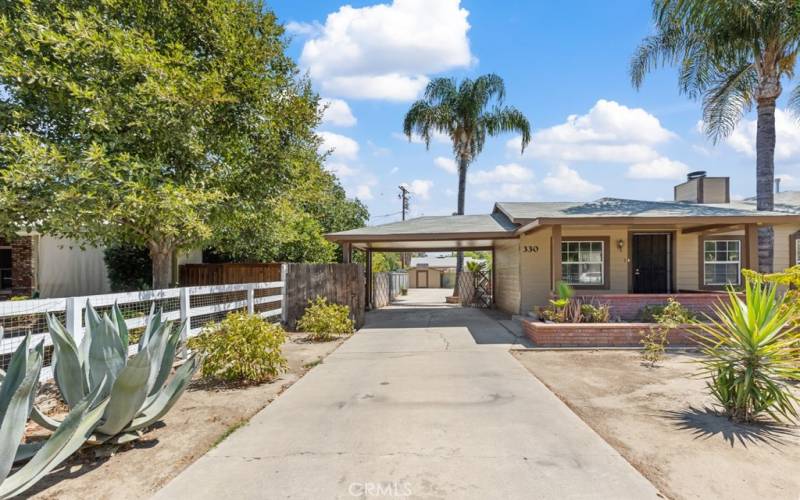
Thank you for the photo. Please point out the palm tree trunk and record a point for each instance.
(462, 188)
(765, 178)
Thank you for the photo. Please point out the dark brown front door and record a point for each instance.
(650, 263)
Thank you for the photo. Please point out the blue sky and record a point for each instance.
(565, 65)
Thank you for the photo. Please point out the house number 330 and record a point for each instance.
(530, 248)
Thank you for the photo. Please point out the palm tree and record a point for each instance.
(462, 112)
(732, 54)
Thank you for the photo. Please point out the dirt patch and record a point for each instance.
(662, 421)
(202, 418)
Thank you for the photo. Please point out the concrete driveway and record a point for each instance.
(424, 402)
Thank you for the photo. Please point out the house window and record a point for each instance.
(796, 252)
(583, 263)
(5, 268)
(722, 262)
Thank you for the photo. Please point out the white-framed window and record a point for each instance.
(797, 252)
(582, 262)
(722, 262)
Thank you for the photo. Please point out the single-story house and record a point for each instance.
(699, 242)
(434, 272)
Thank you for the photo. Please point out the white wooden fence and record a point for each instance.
(198, 306)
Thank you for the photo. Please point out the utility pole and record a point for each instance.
(404, 202)
(404, 197)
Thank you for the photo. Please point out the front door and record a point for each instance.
(650, 263)
(422, 279)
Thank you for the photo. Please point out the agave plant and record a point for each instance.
(137, 387)
(752, 350)
(17, 393)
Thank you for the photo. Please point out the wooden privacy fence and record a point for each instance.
(228, 273)
(339, 283)
(386, 287)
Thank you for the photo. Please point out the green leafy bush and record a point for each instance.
(671, 311)
(241, 348)
(129, 268)
(324, 321)
(752, 353)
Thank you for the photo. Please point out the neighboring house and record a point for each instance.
(55, 267)
(610, 246)
(434, 272)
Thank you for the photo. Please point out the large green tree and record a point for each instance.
(164, 124)
(731, 54)
(466, 112)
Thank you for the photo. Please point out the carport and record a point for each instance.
(425, 234)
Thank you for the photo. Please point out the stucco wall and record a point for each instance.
(507, 271)
(65, 270)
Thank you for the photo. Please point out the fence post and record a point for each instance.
(285, 294)
(72, 315)
(251, 298)
(186, 318)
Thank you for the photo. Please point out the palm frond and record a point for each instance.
(730, 96)
(441, 90)
(507, 119)
(794, 100)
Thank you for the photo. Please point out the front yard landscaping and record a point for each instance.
(205, 415)
(663, 422)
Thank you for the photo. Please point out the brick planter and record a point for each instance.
(628, 307)
(600, 334)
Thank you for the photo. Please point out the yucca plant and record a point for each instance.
(17, 393)
(752, 351)
(137, 387)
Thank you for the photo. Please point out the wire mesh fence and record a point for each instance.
(199, 306)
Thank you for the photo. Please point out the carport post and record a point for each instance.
(368, 298)
(347, 252)
(494, 291)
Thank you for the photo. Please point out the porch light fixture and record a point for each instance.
(620, 244)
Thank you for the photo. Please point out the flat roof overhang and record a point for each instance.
(422, 242)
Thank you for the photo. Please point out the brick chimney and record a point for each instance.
(699, 188)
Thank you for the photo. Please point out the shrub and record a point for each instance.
(242, 348)
(671, 311)
(404, 291)
(752, 350)
(654, 343)
(129, 268)
(323, 321)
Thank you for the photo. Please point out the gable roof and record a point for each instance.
(511, 219)
(520, 212)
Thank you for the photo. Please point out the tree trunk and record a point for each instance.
(161, 255)
(765, 178)
(462, 188)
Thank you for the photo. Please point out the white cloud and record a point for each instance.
(660, 168)
(563, 180)
(337, 112)
(510, 173)
(341, 146)
(420, 187)
(363, 192)
(386, 51)
(787, 130)
(508, 192)
(609, 133)
(446, 164)
(394, 170)
(340, 169)
(304, 29)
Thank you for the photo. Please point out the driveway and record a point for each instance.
(424, 402)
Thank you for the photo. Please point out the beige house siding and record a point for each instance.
(782, 246)
(534, 269)
(506, 280)
(687, 266)
(617, 259)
